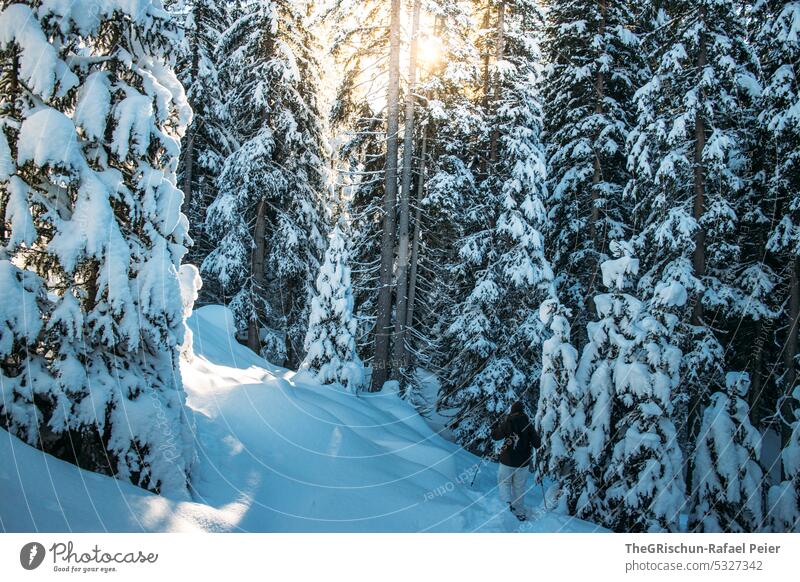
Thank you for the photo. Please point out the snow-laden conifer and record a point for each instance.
(331, 338)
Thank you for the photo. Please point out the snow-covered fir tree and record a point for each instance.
(360, 156)
(776, 25)
(779, 46)
(685, 156)
(596, 374)
(91, 116)
(783, 500)
(449, 128)
(331, 339)
(630, 368)
(727, 484)
(207, 141)
(267, 219)
(495, 333)
(561, 413)
(593, 66)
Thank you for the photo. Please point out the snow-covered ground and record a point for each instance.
(276, 453)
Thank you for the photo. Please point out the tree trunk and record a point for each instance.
(500, 49)
(598, 243)
(699, 184)
(405, 194)
(412, 284)
(790, 350)
(257, 277)
(599, 95)
(756, 386)
(699, 259)
(188, 168)
(9, 108)
(383, 327)
(188, 150)
(487, 86)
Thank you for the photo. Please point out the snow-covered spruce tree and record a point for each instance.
(91, 116)
(207, 141)
(561, 414)
(330, 342)
(629, 369)
(776, 38)
(449, 128)
(685, 156)
(267, 218)
(360, 50)
(594, 64)
(595, 373)
(783, 500)
(496, 334)
(727, 484)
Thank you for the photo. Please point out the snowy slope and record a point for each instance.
(276, 453)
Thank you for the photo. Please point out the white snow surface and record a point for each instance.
(277, 454)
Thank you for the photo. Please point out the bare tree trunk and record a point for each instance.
(486, 57)
(599, 95)
(188, 167)
(699, 259)
(405, 194)
(412, 284)
(383, 327)
(257, 276)
(754, 397)
(9, 106)
(188, 150)
(500, 49)
(597, 176)
(790, 349)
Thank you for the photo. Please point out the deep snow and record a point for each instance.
(277, 452)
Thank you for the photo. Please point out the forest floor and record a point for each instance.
(277, 453)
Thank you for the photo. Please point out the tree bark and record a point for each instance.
(599, 90)
(790, 350)
(756, 386)
(257, 277)
(412, 284)
(699, 259)
(188, 168)
(188, 150)
(699, 184)
(383, 327)
(487, 86)
(405, 194)
(597, 174)
(500, 49)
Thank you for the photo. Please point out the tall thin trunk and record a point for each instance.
(383, 323)
(188, 149)
(188, 167)
(487, 86)
(699, 259)
(699, 185)
(599, 96)
(754, 397)
(257, 276)
(597, 176)
(500, 49)
(405, 194)
(412, 283)
(790, 349)
(9, 108)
